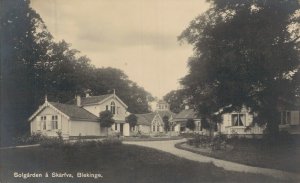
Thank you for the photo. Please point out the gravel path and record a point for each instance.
(169, 146)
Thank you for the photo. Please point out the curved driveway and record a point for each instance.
(169, 146)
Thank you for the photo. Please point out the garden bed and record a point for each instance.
(254, 153)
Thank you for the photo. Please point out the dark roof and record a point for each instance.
(187, 114)
(145, 119)
(90, 100)
(285, 104)
(162, 102)
(166, 113)
(74, 112)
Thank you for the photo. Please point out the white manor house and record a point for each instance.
(79, 117)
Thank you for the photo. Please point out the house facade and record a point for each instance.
(159, 105)
(239, 123)
(152, 123)
(290, 116)
(180, 120)
(79, 117)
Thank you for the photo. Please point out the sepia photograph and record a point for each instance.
(150, 91)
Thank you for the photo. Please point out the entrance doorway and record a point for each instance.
(121, 129)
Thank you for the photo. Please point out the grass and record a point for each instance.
(151, 138)
(255, 153)
(116, 163)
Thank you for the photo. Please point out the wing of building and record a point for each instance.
(79, 117)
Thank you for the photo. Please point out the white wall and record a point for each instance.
(120, 109)
(63, 123)
(177, 128)
(144, 129)
(227, 128)
(295, 118)
(85, 128)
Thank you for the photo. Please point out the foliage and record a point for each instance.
(96, 144)
(52, 142)
(132, 120)
(25, 42)
(246, 53)
(218, 142)
(190, 124)
(176, 99)
(106, 119)
(202, 141)
(27, 139)
(166, 123)
(36, 65)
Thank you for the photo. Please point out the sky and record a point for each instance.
(136, 36)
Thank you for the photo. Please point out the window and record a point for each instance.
(113, 107)
(157, 128)
(238, 119)
(286, 117)
(54, 122)
(116, 127)
(107, 107)
(43, 122)
(153, 128)
(198, 126)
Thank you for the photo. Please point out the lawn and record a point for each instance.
(116, 163)
(284, 156)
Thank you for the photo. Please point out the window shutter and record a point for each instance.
(294, 117)
(249, 119)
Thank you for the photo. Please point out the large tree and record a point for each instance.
(176, 99)
(24, 44)
(33, 65)
(246, 53)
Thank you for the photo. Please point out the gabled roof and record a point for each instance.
(187, 114)
(166, 113)
(285, 104)
(74, 112)
(96, 100)
(90, 99)
(145, 119)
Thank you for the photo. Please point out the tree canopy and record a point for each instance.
(190, 124)
(132, 120)
(33, 65)
(106, 119)
(176, 99)
(246, 53)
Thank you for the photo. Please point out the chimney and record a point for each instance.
(186, 107)
(78, 100)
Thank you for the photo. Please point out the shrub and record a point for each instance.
(52, 142)
(219, 142)
(161, 134)
(28, 139)
(111, 142)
